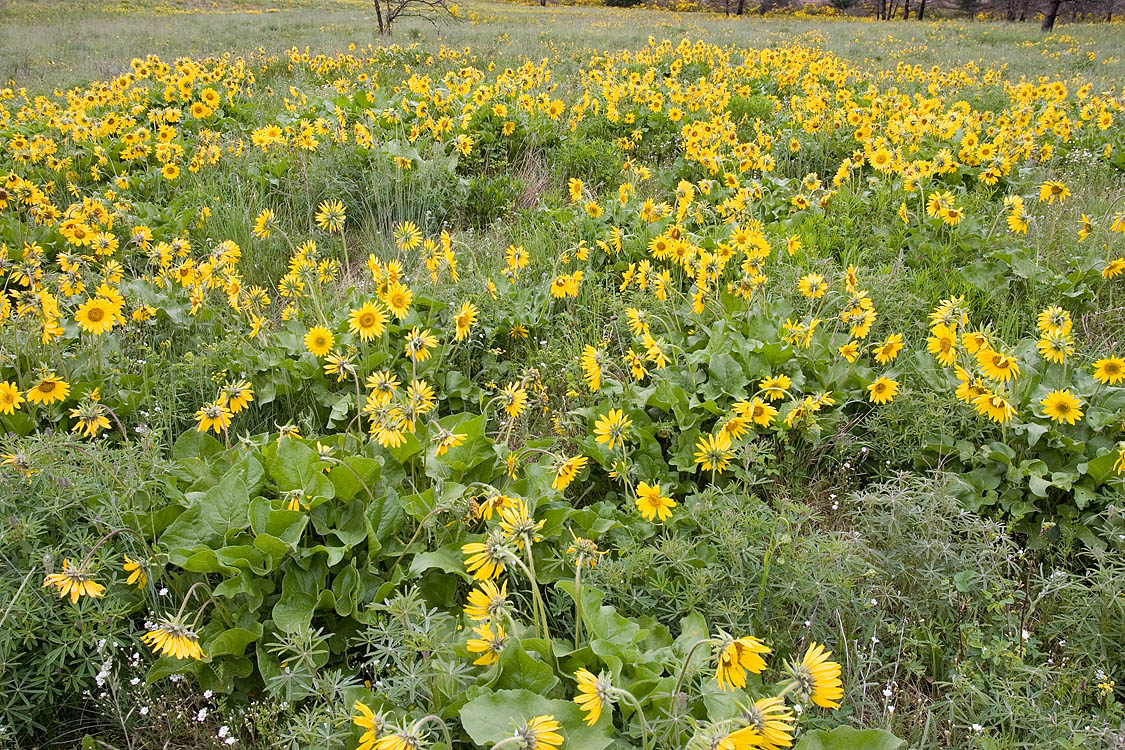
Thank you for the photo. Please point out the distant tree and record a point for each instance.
(389, 11)
(1051, 14)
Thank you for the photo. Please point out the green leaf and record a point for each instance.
(490, 718)
(233, 642)
(226, 506)
(521, 670)
(294, 610)
(847, 738)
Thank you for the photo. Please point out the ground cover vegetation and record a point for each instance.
(675, 393)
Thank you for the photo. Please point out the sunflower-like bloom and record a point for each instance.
(485, 560)
(74, 582)
(541, 733)
(773, 721)
(488, 644)
(368, 321)
(595, 694)
(214, 416)
(319, 340)
(994, 406)
(138, 572)
(882, 390)
(1062, 406)
(736, 657)
(567, 470)
(487, 601)
(652, 503)
(171, 637)
(518, 525)
(612, 428)
(592, 367)
(1109, 371)
(997, 365)
(464, 320)
(818, 677)
(713, 452)
(373, 724)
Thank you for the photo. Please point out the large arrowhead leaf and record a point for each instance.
(490, 718)
(847, 738)
(226, 506)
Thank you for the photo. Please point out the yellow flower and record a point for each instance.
(1108, 371)
(485, 560)
(138, 573)
(774, 388)
(514, 399)
(407, 236)
(736, 657)
(398, 298)
(566, 472)
(882, 390)
(1113, 268)
(488, 644)
(592, 368)
(373, 724)
(1053, 190)
(96, 316)
(1056, 346)
(91, 418)
(943, 344)
(237, 396)
(175, 639)
(486, 601)
(10, 398)
(464, 320)
(541, 733)
(48, 390)
(651, 503)
(447, 439)
(849, 351)
(713, 452)
(594, 695)
(418, 344)
(518, 525)
(773, 721)
(1062, 406)
(74, 582)
(889, 349)
(818, 678)
(214, 416)
(368, 321)
(319, 340)
(997, 365)
(330, 216)
(612, 428)
(994, 406)
(812, 286)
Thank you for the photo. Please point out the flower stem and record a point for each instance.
(640, 712)
(687, 661)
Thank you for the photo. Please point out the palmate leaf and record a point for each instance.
(490, 718)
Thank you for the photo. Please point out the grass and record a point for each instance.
(69, 42)
(960, 620)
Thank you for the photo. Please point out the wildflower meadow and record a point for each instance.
(562, 377)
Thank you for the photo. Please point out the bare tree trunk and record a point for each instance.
(1011, 15)
(383, 30)
(906, 10)
(1049, 17)
(741, 5)
(1023, 10)
(921, 9)
(763, 7)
